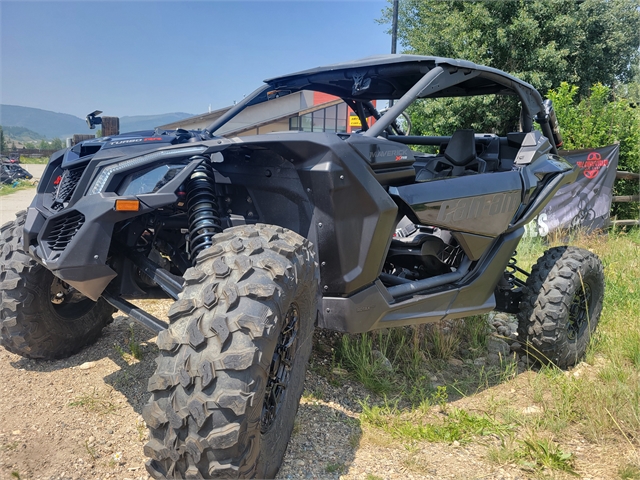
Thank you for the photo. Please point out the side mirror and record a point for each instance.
(93, 119)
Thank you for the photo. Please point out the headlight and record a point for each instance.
(149, 180)
(109, 171)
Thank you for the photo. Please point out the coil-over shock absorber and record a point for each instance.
(202, 208)
(509, 292)
(512, 268)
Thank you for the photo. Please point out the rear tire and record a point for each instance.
(241, 327)
(30, 324)
(561, 305)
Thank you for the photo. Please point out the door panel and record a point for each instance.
(481, 204)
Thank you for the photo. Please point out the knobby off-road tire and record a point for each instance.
(30, 324)
(252, 294)
(561, 305)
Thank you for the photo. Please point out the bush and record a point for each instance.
(599, 120)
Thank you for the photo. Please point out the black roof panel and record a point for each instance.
(391, 76)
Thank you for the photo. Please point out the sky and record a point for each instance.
(152, 57)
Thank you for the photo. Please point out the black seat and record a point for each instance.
(459, 158)
(461, 149)
(491, 155)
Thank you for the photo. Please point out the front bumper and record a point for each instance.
(74, 243)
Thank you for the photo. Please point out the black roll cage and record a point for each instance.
(443, 78)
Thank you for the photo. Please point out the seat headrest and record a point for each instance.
(461, 148)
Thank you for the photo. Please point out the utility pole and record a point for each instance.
(394, 27)
(394, 34)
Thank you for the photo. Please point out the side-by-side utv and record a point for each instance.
(260, 239)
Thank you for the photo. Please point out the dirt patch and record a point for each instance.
(79, 418)
(70, 418)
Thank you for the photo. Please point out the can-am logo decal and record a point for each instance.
(475, 207)
(592, 165)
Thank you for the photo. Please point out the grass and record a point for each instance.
(415, 464)
(9, 446)
(457, 425)
(629, 472)
(533, 454)
(357, 353)
(141, 428)
(415, 354)
(95, 402)
(135, 349)
(34, 160)
(134, 346)
(540, 453)
(313, 396)
(606, 402)
(476, 330)
(444, 340)
(335, 468)
(124, 378)
(90, 450)
(19, 185)
(599, 401)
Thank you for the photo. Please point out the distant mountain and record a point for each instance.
(22, 134)
(62, 125)
(44, 122)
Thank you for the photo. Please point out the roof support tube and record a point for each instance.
(419, 286)
(545, 125)
(237, 108)
(394, 112)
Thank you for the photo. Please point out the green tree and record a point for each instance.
(443, 116)
(630, 90)
(3, 141)
(597, 120)
(43, 145)
(540, 41)
(30, 145)
(543, 42)
(57, 144)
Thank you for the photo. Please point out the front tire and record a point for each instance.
(561, 305)
(232, 364)
(30, 324)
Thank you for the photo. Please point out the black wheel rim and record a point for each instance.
(280, 370)
(71, 304)
(579, 312)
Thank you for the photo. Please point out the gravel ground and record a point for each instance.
(79, 418)
(9, 204)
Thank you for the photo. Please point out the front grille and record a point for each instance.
(63, 229)
(68, 184)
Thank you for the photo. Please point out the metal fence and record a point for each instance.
(30, 152)
(620, 175)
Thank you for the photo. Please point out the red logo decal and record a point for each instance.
(592, 166)
(152, 139)
(57, 180)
